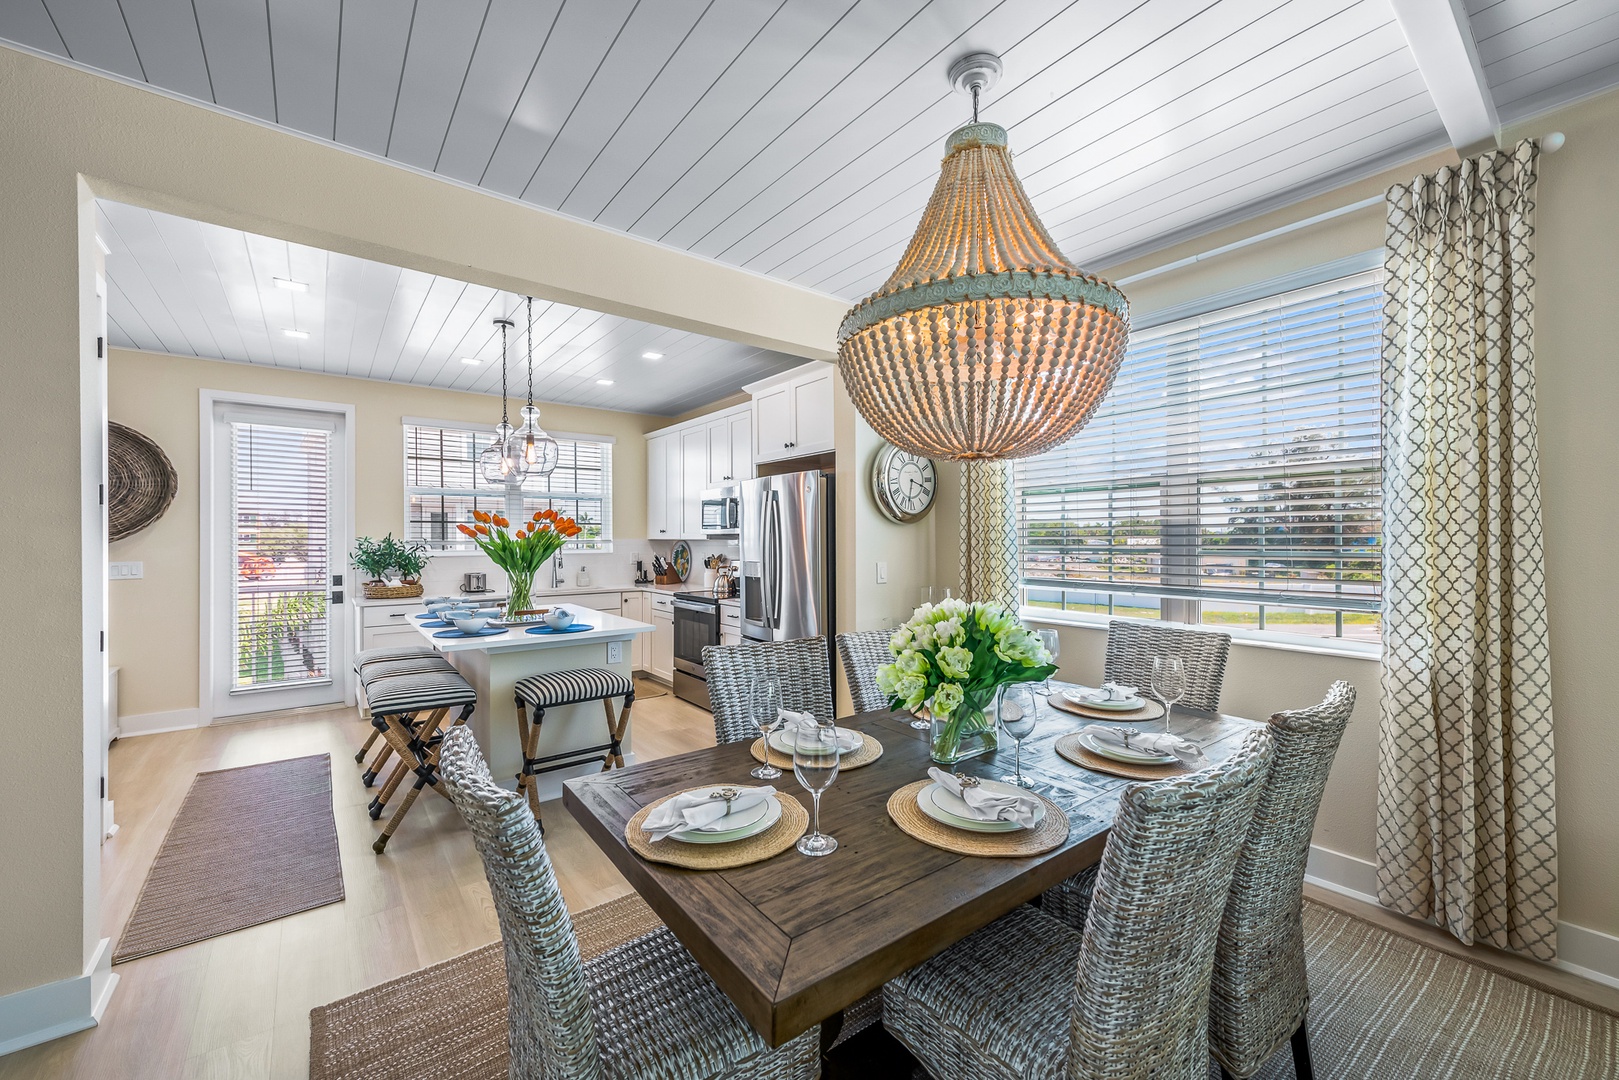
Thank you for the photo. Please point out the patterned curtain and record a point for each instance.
(989, 566)
(1466, 825)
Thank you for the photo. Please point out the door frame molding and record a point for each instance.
(208, 581)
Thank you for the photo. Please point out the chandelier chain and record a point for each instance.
(975, 103)
(504, 419)
(531, 351)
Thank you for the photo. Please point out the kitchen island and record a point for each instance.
(493, 664)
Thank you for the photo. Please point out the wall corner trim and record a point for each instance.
(42, 1013)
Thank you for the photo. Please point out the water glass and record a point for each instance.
(815, 763)
(1168, 682)
(1016, 709)
(764, 705)
(1053, 644)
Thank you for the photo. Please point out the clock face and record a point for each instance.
(903, 484)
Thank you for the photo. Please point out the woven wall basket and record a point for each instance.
(141, 481)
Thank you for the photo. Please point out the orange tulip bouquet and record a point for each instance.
(521, 551)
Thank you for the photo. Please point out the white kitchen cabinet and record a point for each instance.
(684, 461)
(388, 624)
(609, 602)
(792, 414)
(739, 432)
(730, 622)
(663, 638)
(663, 486)
(636, 605)
(693, 479)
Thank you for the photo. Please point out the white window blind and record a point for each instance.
(1235, 465)
(443, 486)
(281, 512)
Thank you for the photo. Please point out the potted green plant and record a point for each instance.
(410, 558)
(381, 559)
(373, 558)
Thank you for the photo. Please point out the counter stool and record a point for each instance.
(381, 654)
(398, 705)
(556, 688)
(430, 661)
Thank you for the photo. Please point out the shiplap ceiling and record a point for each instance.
(800, 138)
(194, 289)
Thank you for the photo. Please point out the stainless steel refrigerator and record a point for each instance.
(786, 543)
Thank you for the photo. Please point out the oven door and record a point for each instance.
(697, 625)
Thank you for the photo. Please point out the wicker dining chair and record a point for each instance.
(1260, 994)
(801, 665)
(1132, 645)
(643, 1009)
(1028, 996)
(862, 652)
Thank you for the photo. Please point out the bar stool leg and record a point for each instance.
(615, 731)
(359, 755)
(528, 785)
(402, 737)
(426, 751)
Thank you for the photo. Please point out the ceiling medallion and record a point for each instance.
(985, 342)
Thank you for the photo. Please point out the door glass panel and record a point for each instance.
(281, 524)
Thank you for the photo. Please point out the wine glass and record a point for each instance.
(924, 597)
(1053, 645)
(1015, 707)
(1168, 682)
(815, 763)
(764, 705)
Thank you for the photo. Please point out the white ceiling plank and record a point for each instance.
(96, 34)
(373, 301)
(27, 22)
(1490, 21)
(169, 43)
(149, 280)
(185, 242)
(508, 51)
(342, 284)
(442, 40)
(236, 43)
(227, 251)
(1441, 39)
(369, 65)
(473, 309)
(304, 42)
(1569, 70)
(137, 335)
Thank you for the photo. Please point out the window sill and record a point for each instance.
(1258, 639)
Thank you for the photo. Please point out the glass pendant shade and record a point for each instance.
(497, 463)
(537, 449)
(985, 342)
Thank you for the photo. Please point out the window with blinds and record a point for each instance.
(281, 513)
(443, 486)
(1232, 476)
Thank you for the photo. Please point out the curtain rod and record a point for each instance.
(1550, 143)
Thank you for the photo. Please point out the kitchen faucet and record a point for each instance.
(556, 572)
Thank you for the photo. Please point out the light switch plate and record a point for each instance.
(125, 571)
(615, 652)
(882, 573)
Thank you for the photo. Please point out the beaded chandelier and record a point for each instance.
(984, 342)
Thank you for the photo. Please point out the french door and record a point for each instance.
(277, 535)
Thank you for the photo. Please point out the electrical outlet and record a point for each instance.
(882, 573)
(615, 652)
(125, 571)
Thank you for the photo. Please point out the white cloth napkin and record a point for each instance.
(986, 805)
(1156, 742)
(695, 809)
(791, 722)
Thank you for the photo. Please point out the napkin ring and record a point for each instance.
(729, 794)
(966, 781)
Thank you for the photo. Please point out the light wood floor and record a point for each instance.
(238, 1005)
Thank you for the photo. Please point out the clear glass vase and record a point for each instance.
(969, 732)
(518, 588)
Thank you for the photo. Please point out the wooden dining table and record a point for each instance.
(793, 941)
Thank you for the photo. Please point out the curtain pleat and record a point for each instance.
(1466, 831)
(989, 562)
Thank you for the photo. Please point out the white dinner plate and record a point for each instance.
(948, 809)
(781, 744)
(1130, 757)
(771, 815)
(1083, 697)
(737, 819)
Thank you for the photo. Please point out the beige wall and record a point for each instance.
(153, 621)
(66, 136)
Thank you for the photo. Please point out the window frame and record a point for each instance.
(1188, 609)
(514, 495)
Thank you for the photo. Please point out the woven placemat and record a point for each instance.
(870, 750)
(1152, 710)
(768, 844)
(1068, 748)
(1051, 833)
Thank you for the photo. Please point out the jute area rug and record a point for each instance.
(1383, 1008)
(249, 845)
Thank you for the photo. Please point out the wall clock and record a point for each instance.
(903, 484)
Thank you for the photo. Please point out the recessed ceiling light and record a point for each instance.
(652, 356)
(471, 360)
(604, 382)
(298, 334)
(290, 285)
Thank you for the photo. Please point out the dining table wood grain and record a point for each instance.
(792, 940)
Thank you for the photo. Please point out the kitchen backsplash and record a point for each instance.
(608, 568)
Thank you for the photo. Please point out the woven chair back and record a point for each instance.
(862, 652)
(1131, 647)
(801, 667)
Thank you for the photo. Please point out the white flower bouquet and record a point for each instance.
(952, 657)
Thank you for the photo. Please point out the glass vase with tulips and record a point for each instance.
(520, 552)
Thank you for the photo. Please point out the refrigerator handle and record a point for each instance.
(773, 596)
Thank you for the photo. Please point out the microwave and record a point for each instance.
(721, 514)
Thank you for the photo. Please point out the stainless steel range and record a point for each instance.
(697, 624)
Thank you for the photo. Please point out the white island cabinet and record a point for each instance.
(493, 664)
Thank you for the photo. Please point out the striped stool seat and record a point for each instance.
(553, 690)
(408, 710)
(390, 652)
(572, 687)
(432, 663)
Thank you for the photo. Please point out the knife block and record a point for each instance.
(666, 579)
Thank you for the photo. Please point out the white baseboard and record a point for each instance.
(1590, 954)
(41, 1013)
(155, 723)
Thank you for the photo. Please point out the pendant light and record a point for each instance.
(985, 342)
(495, 463)
(530, 442)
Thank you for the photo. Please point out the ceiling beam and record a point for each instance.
(1441, 39)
